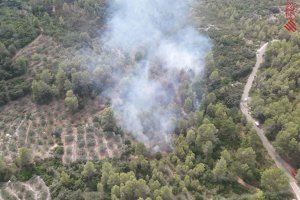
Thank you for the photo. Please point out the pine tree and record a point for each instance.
(71, 101)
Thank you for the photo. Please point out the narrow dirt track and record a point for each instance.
(32, 43)
(27, 132)
(280, 163)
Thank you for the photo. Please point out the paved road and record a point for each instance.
(260, 132)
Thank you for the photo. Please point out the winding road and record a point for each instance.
(280, 163)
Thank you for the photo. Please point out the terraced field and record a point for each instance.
(87, 141)
(34, 189)
(42, 53)
(43, 128)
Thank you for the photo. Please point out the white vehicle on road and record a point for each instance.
(256, 123)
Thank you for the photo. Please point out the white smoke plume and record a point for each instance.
(147, 44)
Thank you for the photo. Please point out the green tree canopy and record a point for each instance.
(71, 101)
(274, 181)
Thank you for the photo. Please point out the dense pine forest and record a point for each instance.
(62, 132)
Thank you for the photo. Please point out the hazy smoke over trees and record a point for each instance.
(148, 47)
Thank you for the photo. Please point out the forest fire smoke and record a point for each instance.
(164, 48)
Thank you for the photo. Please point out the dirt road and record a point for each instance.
(260, 132)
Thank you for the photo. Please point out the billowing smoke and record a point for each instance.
(147, 47)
